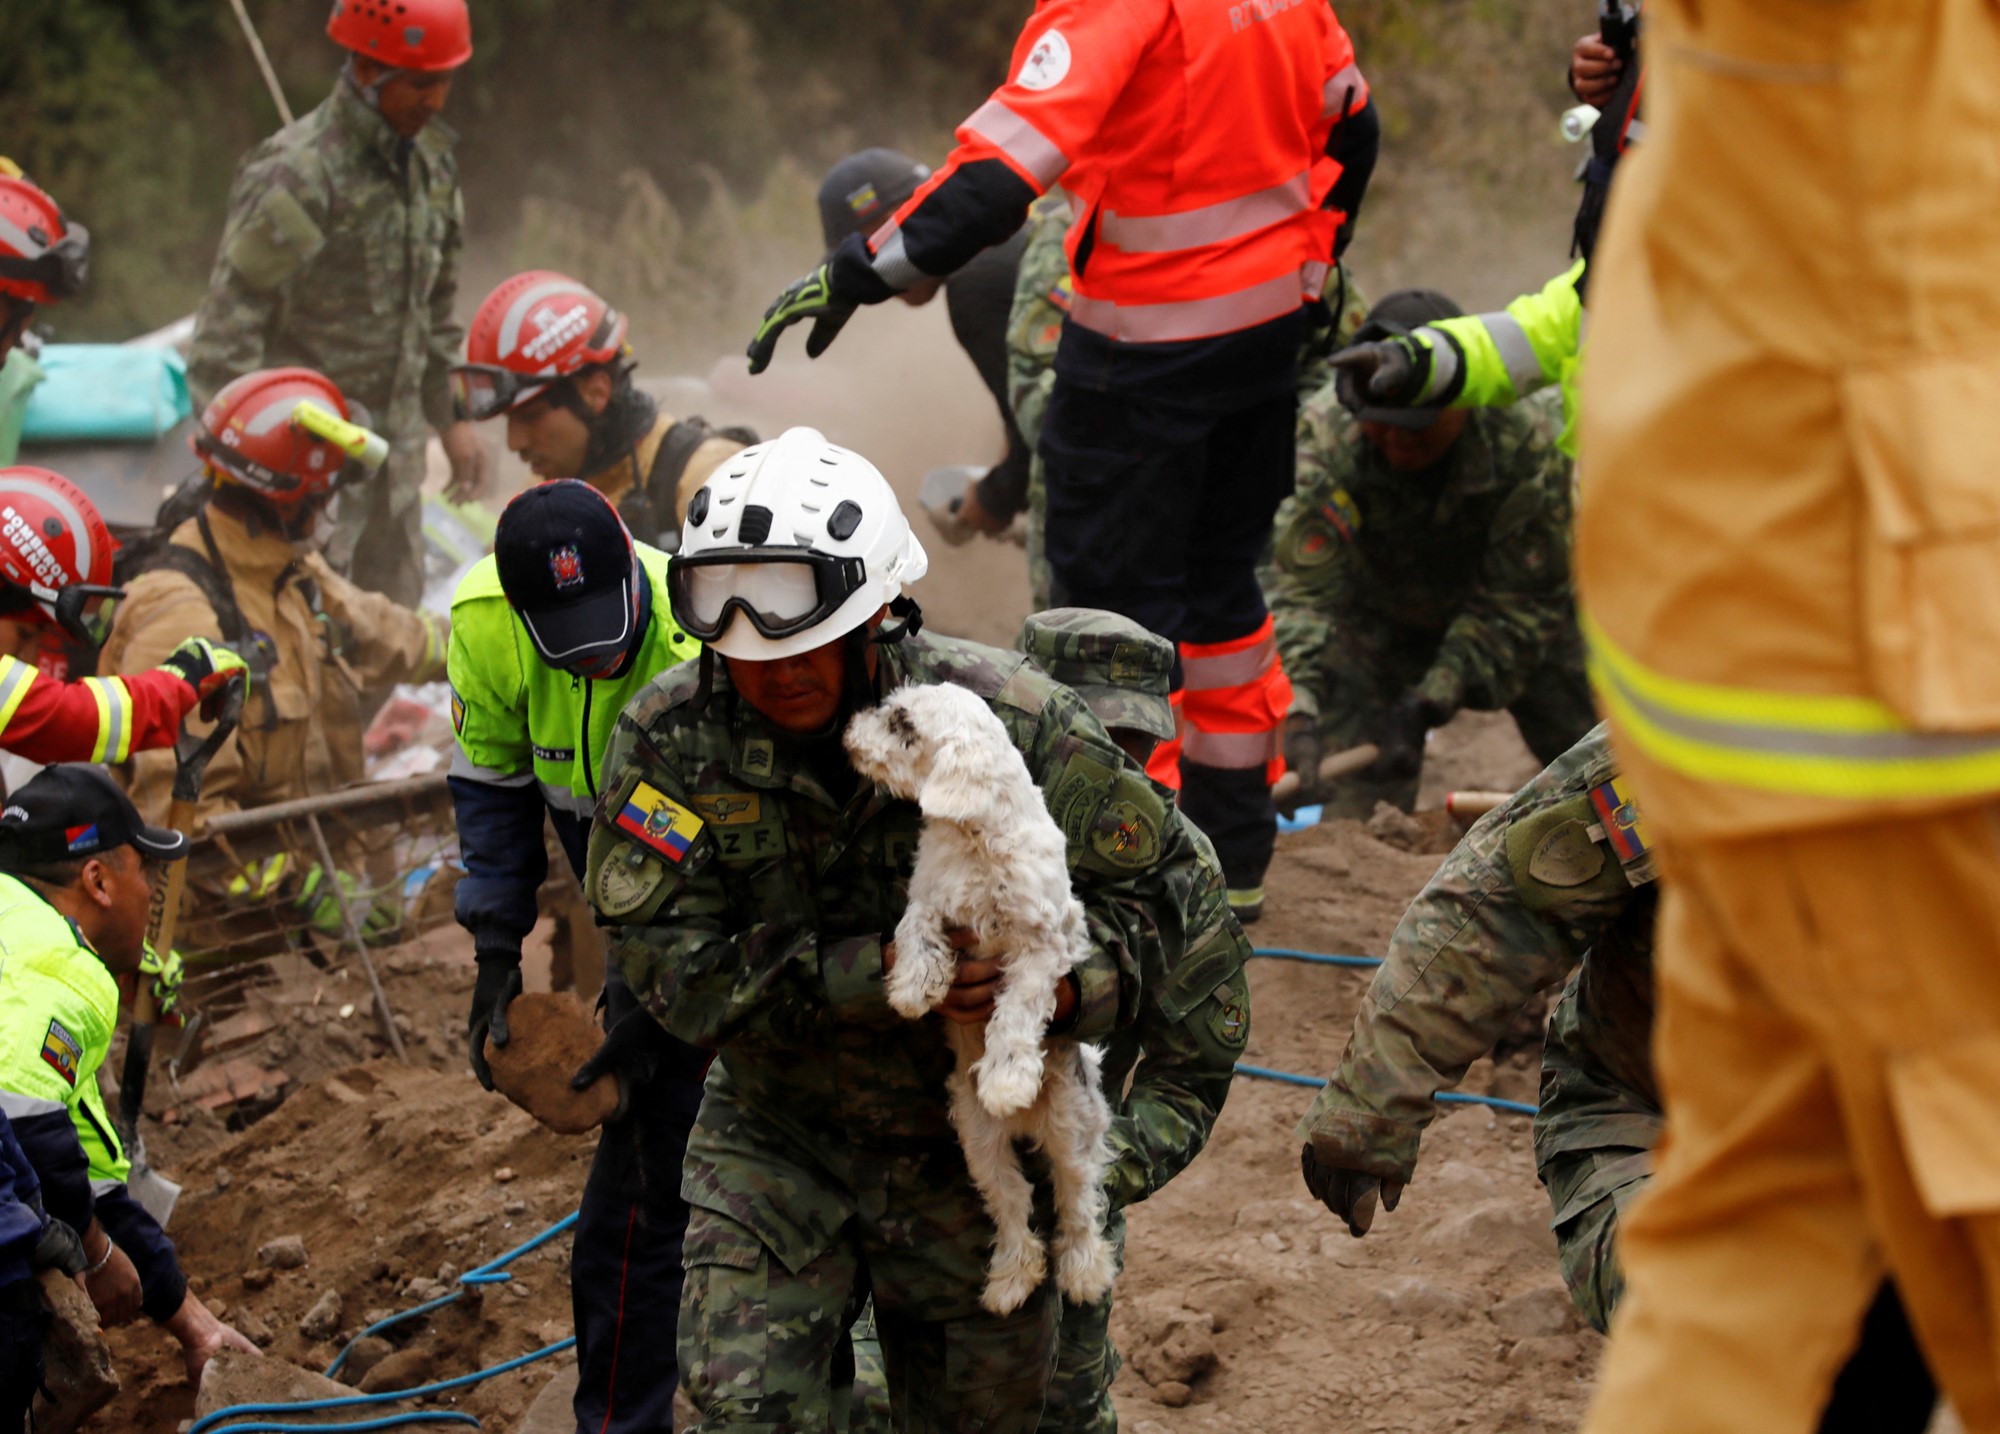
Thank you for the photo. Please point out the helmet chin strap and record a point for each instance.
(904, 607)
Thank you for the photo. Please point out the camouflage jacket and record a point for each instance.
(1559, 876)
(748, 905)
(1193, 1024)
(1469, 559)
(341, 253)
(1034, 328)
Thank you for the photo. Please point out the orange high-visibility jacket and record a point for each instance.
(1192, 138)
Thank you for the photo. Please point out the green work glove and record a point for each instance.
(207, 667)
(166, 973)
(320, 900)
(809, 298)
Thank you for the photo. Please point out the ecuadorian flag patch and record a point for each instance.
(1622, 822)
(659, 821)
(62, 1050)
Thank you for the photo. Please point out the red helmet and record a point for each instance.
(55, 547)
(404, 34)
(42, 258)
(252, 433)
(535, 328)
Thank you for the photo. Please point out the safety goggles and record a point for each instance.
(487, 390)
(781, 591)
(61, 268)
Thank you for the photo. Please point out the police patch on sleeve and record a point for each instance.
(653, 817)
(62, 1051)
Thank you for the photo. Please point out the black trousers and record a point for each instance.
(1159, 506)
(625, 1264)
(24, 1322)
(1885, 1387)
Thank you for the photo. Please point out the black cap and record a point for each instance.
(566, 566)
(73, 811)
(863, 190)
(1398, 313)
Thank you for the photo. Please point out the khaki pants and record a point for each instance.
(1829, 1051)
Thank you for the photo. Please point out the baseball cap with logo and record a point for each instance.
(1121, 670)
(567, 567)
(860, 193)
(69, 812)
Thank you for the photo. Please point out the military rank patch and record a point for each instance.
(659, 821)
(730, 809)
(62, 1051)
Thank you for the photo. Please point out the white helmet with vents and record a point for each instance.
(789, 545)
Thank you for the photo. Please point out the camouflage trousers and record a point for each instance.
(1079, 1397)
(1366, 672)
(765, 1318)
(1041, 577)
(378, 537)
(1594, 1140)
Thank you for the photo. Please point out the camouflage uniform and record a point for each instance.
(1454, 582)
(1557, 883)
(750, 881)
(340, 253)
(1195, 1019)
(1041, 299)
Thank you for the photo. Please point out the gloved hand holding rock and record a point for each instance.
(499, 982)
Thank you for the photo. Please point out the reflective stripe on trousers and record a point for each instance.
(1236, 695)
(1853, 748)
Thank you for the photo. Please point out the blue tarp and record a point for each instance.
(106, 393)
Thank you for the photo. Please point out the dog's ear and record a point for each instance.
(956, 787)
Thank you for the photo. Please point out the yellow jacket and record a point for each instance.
(328, 640)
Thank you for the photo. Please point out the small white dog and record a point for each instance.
(993, 860)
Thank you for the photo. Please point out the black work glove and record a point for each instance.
(499, 982)
(60, 1248)
(809, 298)
(1400, 736)
(1387, 373)
(1302, 753)
(1350, 1194)
(632, 1052)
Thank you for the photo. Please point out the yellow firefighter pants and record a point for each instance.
(1829, 1052)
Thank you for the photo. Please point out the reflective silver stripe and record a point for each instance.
(102, 1187)
(1524, 366)
(14, 679)
(1337, 94)
(892, 261)
(464, 766)
(117, 719)
(1210, 224)
(1020, 141)
(1444, 362)
(1229, 669)
(19, 1107)
(562, 799)
(1237, 751)
(16, 238)
(1190, 318)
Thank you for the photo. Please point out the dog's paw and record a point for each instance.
(1013, 1276)
(1085, 1269)
(908, 991)
(925, 964)
(1009, 1081)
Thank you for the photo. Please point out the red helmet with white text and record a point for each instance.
(55, 554)
(534, 330)
(284, 433)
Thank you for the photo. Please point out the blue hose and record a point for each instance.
(393, 1421)
(1512, 1107)
(357, 1401)
(1285, 953)
(486, 1274)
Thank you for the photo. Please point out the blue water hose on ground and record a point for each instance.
(393, 1421)
(362, 1401)
(1316, 958)
(486, 1274)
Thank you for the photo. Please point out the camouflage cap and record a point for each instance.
(1120, 670)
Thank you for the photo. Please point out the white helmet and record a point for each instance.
(789, 545)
